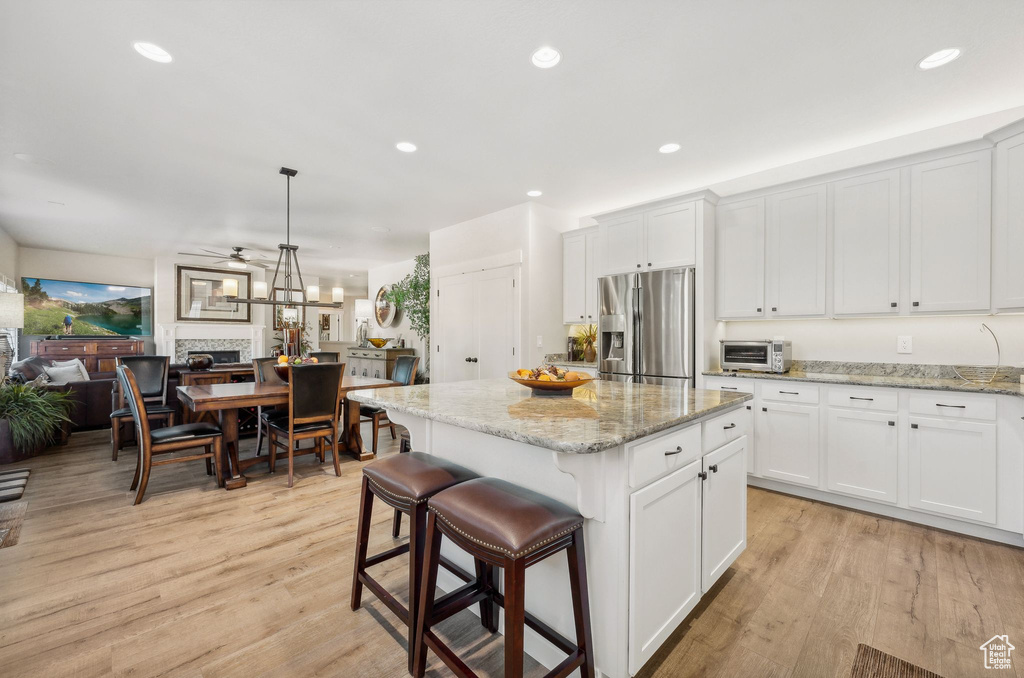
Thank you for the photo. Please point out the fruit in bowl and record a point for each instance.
(550, 378)
(285, 361)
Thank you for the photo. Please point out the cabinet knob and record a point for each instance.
(892, 423)
(748, 407)
(468, 360)
(581, 317)
(474, 360)
(702, 475)
(775, 308)
(893, 304)
(917, 303)
(764, 409)
(649, 263)
(758, 309)
(638, 265)
(913, 426)
(713, 468)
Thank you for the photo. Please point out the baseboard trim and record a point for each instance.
(906, 515)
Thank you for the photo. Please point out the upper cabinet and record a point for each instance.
(866, 225)
(663, 237)
(796, 259)
(950, 233)
(590, 272)
(1008, 225)
(739, 255)
(579, 277)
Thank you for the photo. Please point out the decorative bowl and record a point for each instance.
(377, 342)
(199, 361)
(282, 371)
(549, 388)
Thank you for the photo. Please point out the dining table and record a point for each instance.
(225, 400)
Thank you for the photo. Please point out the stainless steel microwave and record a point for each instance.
(757, 356)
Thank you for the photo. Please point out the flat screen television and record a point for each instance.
(76, 308)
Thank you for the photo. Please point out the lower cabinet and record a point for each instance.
(787, 442)
(862, 452)
(664, 559)
(952, 468)
(724, 512)
(685, 530)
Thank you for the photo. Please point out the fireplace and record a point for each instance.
(221, 357)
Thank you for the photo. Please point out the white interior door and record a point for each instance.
(866, 223)
(497, 312)
(457, 311)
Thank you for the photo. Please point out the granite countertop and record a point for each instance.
(600, 415)
(924, 377)
(561, 359)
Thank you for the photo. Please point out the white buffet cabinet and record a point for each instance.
(947, 459)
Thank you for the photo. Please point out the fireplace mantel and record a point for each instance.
(247, 338)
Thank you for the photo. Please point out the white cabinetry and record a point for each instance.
(739, 259)
(1008, 224)
(796, 259)
(862, 453)
(664, 532)
(662, 237)
(950, 233)
(590, 272)
(866, 226)
(724, 525)
(952, 467)
(788, 442)
(574, 278)
(620, 245)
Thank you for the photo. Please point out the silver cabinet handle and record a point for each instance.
(729, 426)
(957, 407)
(860, 398)
(674, 452)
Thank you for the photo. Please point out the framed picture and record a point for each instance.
(279, 295)
(200, 295)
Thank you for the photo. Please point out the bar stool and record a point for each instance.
(404, 482)
(505, 526)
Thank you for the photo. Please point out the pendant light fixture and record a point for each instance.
(287, 270)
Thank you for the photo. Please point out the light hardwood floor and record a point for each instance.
(199, 582)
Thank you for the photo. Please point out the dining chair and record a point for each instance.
(404, 372)
(314, 399)
(151, 374)
(264, 373)
(165, 440)
(326, 356)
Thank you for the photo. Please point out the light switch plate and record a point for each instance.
(540, 341)
(904, 344)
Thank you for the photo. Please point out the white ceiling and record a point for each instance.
(151, 158)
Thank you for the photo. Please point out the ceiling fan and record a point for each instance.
(237, 258)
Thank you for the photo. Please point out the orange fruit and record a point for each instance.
(523, 374)
(315, 360)
(282, 359)
(544, 377)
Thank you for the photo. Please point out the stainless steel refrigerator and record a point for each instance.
(645, 331)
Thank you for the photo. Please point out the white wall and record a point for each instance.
(9, 257)
(948, 340)
(388, 275)
(542, 283)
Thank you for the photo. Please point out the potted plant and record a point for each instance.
(412, 296)
(30, 419)
(586, 337)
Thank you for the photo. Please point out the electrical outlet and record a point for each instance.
(540, 341)
(904, 344)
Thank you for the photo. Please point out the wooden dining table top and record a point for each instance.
(210, 397)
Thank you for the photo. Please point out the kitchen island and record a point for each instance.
(659, 474)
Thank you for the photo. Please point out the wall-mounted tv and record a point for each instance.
(77, 308)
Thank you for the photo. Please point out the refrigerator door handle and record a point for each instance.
(638, 313)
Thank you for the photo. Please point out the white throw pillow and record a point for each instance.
(76, 362)
(63, 375)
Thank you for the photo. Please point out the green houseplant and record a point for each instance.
(412, 295)
(30, 418)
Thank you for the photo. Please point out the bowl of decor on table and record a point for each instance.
(285, 363)
(550, 380)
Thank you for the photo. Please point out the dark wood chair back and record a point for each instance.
(137, 404)
(404, 371)
(263, 371)
(151, 374)
(314, 392)
(326, 356)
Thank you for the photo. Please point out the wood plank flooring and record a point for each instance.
(203, 583)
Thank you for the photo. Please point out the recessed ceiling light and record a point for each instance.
(405, 147)
(380, 229)
(669, 148)
(940, 58)
(534, 194)
(151, 51)
(546, 57)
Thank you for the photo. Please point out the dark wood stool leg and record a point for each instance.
(334, 451)
(581, 601)
(362, 540)
(428, 585)
(115, 437)
(515, 616)
(396, 525)
(218, 445)
(209, 462)
(417, 544)
(488, 610)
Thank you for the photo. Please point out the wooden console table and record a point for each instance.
(98, 354)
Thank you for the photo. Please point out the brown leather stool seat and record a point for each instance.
(404, 482)
(507, 526)
(505, 518)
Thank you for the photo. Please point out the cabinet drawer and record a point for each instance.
(115, 348)
(729, 384)
(652, 459)
(953, 405)
(879, 399)
(63, 348)
(725, 428)
(790, 393)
